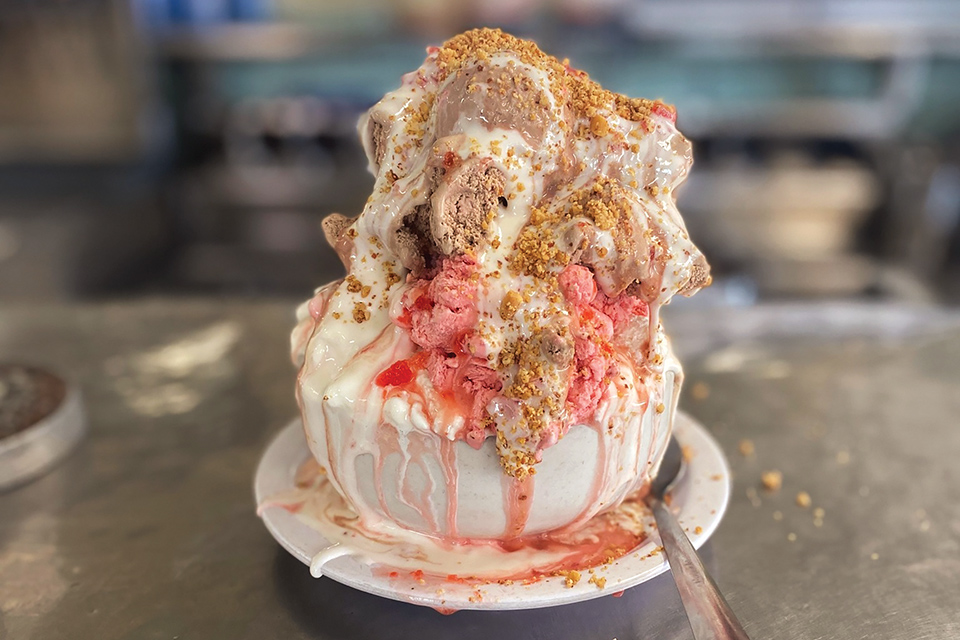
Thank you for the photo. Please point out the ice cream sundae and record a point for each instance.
(493, 366)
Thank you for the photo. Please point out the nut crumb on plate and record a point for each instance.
(599, 581)
(571, 578)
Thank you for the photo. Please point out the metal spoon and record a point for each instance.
(710, 616)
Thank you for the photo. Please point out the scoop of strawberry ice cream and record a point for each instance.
(596, 320)
(441, 316)
(470, 383)
(439, 312)
(578, 285)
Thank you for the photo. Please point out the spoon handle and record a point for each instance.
(710, 616)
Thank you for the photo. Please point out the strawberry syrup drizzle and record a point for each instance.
(519, 497)
(388, 444)
(601, 542)
(599, 479)
(448, 460)
(400, 378)
(420, 450)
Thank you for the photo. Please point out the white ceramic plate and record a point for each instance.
(700, 501)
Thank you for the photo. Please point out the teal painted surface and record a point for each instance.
(376, 69)
(939, 112)
(367, 72)
(730, 82)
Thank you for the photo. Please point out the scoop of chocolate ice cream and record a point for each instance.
(556, 344)
(374, 136)
(498, 97)
(464, 204)
(335, 228)
(699, 277)
(411, 240)
(462, 197)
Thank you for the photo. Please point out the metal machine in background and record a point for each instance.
(814, 189)
(204, 140)
(805, 115)
(81, 147)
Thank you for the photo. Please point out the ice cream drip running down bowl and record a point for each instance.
(493, 367)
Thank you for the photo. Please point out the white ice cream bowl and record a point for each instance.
(396, 469)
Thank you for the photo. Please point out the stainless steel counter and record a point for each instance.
(148, 530)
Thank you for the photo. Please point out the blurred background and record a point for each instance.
(192, 146)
